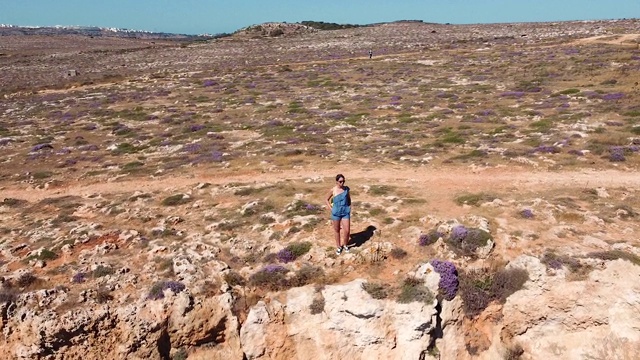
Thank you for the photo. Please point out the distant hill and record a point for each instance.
(93, 31)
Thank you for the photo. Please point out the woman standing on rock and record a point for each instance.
(339, 201)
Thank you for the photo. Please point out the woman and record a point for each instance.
(339, 201)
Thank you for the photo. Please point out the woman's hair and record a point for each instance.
(339, 176)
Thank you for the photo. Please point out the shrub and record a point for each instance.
(7, 296)
(233, 279)
(505, 282)
(26, 280)
(398, 253)
(271, 277)
(474, 199)
(473, 292)
(103, 296)
(448, 285)
(102, 270)
(413, 290)
(478, 288)
(614, 255)
(79, 278)
(467, 240)
(285, 256)
(317, 306)
(429, 238)
(174, 200)
(307, 274)
(46, 254)
(377, 291)
(514, 352)
(294, 251)
(526, 213)
(157, 290)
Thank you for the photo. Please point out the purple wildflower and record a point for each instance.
(286, 256)
(448, 284)
(458, 233)
(41, 147)
(272, 268)
(79, 278)
(526, 213)
(612, 96)
(157, 290)
(616, 154)
(209, 83)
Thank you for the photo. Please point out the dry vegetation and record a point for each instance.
(170, 164)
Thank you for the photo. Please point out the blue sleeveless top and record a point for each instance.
(341, 206)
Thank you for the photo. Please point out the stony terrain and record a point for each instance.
(165, 200)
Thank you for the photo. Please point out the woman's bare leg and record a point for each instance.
(336, 231)
(346, 230)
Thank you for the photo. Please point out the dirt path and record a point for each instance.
(436, 180)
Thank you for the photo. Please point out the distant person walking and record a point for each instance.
(370, 53)
(339, 201)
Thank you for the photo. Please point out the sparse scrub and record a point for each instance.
(177, 199)
(102, 270)
(474, 199)
(429, 238)
(270, 277)
(478, 288)
(413, 290)
(234, 279)
(157, 289)
(317, 306)
(614, 255)
(376, 290)
(398, 253)
(467, 240)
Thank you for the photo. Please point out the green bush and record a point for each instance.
(614, 255)
(234, 279)
(299, 248)
(317, 306)
(307, 274)
(413, 290)
(478, 288)
(474, 199)
(177, 199)
(102, 270)
(377, 291)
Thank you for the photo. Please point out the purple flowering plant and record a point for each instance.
(448, 284)
(157, 290)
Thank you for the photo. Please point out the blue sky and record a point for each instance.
(201, 16)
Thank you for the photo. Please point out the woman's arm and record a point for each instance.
(329, 199)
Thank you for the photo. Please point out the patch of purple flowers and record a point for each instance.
(612, 96)
(41, 147)
(157, 290)
(448, 284)
(430, 238)
(285, 256)
(79, 278)
(527, 214)
(458, 233)
(546, 149)
(616, 154)
(272, 268)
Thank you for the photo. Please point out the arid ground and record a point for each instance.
(128, 163)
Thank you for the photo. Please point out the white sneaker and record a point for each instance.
(338, 251)
(346, 248)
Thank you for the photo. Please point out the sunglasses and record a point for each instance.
(341, 181)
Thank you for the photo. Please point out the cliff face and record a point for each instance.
(550, 318)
